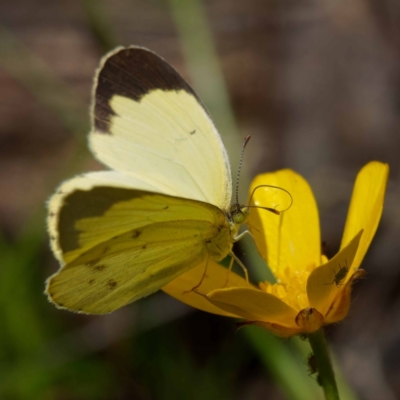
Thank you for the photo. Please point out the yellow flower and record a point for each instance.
(310, 291)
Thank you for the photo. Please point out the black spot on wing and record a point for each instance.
(132, 73)
(136, 233)
(111, 284)
(92, 262)
(92, 281)
(99, 268)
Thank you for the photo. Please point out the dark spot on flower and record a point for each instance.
(92, 281)
(99, 267)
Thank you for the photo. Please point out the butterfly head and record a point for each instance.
(238, 214)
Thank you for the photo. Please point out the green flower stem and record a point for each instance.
(325, 371)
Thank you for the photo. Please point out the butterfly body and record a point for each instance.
(163, 209)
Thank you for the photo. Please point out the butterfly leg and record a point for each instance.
(246, 274)
(238, 237)
(229, 271)
(201, 280)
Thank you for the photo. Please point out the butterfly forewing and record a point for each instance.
(150, 124)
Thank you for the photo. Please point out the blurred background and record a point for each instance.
(316, 84)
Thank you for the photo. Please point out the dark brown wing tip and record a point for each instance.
(130, 72)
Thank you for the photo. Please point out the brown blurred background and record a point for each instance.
(316, 84)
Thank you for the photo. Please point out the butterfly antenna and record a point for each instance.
(273, 210)
(246, 140)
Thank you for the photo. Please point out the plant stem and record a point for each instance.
(324, 364)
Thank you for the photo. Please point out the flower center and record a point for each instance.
(291, 286)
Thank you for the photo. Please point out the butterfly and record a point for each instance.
(164, 205)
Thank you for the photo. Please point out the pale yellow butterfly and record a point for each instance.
(163, 209)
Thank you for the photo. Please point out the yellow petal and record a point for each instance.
(291, 239)
(366, 206)
(254, 305)
(341, 305)
(323, 284)
(216, 278)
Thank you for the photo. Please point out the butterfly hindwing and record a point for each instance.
(128, 267)
(118, 244)
(149, 123)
